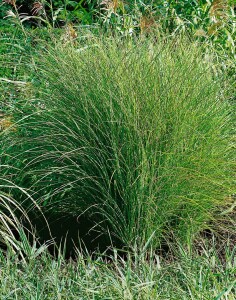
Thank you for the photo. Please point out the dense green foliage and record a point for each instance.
(117, 126)
(133, 135)
(211, 22)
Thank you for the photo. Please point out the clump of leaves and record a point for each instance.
(133, 137)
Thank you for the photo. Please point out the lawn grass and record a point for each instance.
(139, 276)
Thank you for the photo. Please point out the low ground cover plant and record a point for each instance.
(190, 276)
(130, 139)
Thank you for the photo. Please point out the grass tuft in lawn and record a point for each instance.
(127, 140)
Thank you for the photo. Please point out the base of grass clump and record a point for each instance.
(132, 135)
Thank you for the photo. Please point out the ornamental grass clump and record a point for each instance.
(131, 139)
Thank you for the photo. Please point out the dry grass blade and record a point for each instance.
(219, 9)
(37, 8)
(11, 2)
